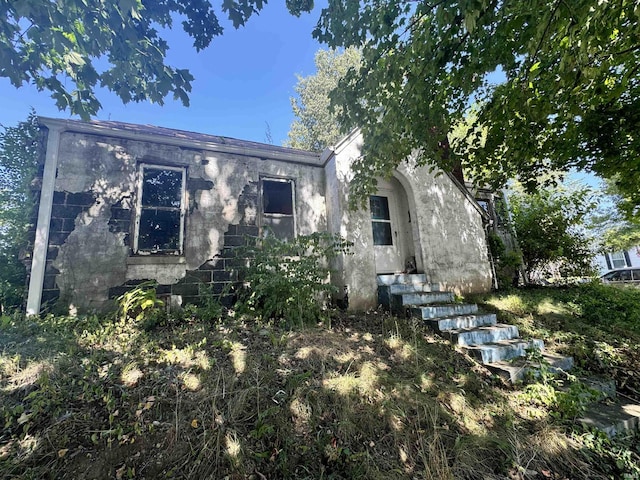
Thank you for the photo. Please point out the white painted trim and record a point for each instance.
(183, 203)
(41, 242)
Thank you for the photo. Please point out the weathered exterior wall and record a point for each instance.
(89, 252)
(90, 256)
(447, 229)
(358, 273)
(452, 237)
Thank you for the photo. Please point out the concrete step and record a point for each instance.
(612, 418)
(400, 288)
(386, 291)
(502, 350)
(402, 278)
(458, 322)
(515, 370)
(428, 312)
(422, 298)
(482, 335)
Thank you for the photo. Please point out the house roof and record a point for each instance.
(184, 138)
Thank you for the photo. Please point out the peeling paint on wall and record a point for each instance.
(92, 256)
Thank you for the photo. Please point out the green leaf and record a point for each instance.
(74, 58)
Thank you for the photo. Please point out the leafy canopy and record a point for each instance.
(556, 85)
(613, 229)
(71, 47)
(317, 125)
(19, 153)
(549, 227)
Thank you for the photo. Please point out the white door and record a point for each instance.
(386, 241)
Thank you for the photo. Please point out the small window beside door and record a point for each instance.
(380, 220)
(277, 208)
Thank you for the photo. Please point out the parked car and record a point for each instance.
(622, 275)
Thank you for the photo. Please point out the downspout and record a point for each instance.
(41, 242)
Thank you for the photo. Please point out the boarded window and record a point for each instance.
(380, 220)
(160, 212)
(277, 208)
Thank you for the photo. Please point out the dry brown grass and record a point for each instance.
(372, 397)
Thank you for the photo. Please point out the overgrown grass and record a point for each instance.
(599, 325)
(371, 397)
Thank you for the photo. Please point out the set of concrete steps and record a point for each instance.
(614, 414)
(497, 346)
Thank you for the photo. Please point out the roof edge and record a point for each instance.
(252, 149)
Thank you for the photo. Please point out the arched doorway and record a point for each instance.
(392, 231)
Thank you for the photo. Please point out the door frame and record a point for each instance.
(390, 258)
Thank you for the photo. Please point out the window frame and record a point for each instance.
(139, 208)
(263, 214)
(622, 257)
(383, 221)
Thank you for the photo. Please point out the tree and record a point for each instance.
(549, 227)
(317, 125)
(612, 227)
(19, 152)
(113, 44)
(556, 85)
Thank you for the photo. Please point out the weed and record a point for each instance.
(139, 303)
(288, 281)
(373, 397)
(619, 457)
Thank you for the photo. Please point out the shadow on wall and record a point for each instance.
(457, 255)
(95, 239)
(91, 255)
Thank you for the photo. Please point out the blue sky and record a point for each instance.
(242, 81)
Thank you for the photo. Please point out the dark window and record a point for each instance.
(380, 220)
(160, 215)
(277, 197)
(277, 208)
(625, 275)
(484, 204)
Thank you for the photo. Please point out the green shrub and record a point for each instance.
(608, 305)
(210, 308)
(20, 147)
(507, 263)
(288, 281)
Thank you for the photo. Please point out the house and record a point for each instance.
(621, 259)
(121, 203)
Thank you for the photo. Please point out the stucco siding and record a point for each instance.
(452, 236)
(96, 253)
(91, 252)
(448, 241)
(359, 273)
